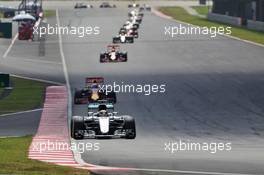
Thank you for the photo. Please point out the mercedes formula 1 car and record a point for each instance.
(93, 92)
(113, 55)
(103, 124)
(123, 38)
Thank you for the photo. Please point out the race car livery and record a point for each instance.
(103, 124)
(113, 55)
(93, 92)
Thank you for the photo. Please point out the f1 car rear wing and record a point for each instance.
(93, 80)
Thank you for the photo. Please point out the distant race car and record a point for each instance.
(131, 25)
(133, 5)
(145, 7)
(113, 55)
(103, 124)
(135, 13)
(123, 38)
(93, 92)
(133, 32)
(82, 5)
(137, 19)
(107, 5)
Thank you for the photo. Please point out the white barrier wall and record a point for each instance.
(236, 21)
(255, 25)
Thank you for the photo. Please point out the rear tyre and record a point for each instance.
(77, 127)
(102, 55)
(130, 127)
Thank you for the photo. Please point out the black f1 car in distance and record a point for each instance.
(107, 5)
(82, 6)
(103, 124)
(130, 32)
(93, 92)
(113, 55)
(145, 7)
(123, 38)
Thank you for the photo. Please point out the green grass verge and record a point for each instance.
(202, 10)
(13, 160)
(180, 14)
(49, 13)
(26, 95)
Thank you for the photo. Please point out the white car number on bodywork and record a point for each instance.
(113, 56)
(104, 124)
(123, 38)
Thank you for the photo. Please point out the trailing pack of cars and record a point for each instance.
(102, 120)
(81, 5)
(129, 30)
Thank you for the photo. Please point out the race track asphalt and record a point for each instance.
(213, 94)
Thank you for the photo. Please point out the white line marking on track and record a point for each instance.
(65, 70)
(21, 112)
(35, 60)
(10, 46)
(37, 79)
(76, 154)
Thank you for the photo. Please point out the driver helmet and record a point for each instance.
(102, 110)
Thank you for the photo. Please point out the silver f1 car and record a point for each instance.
(123, 38)
(113, 55)
(103, 124)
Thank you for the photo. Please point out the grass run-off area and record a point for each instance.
(202, 10)
(13, 160)
(180, 14)
(25, 95)
(49, 13)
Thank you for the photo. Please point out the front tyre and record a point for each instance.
(130, 127)
(77, 127)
